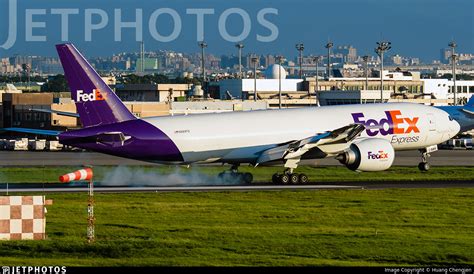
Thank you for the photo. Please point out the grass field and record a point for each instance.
(261, 174)
(281, 228)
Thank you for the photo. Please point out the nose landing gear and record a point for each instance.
(425, 154)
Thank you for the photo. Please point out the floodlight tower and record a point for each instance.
(142, 57)
(329, 45)
(300, 48)
(280, 60)
(240, 46)
(316, 60)
(203, 45)
(366, 63)
(381, 48)
(453, 45)
(254, 60)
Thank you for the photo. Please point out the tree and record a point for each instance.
(56, 83)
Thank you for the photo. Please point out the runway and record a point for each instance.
(74, 188)
(33, 158)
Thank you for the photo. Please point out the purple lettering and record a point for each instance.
(372, 127)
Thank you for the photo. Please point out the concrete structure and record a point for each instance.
(64, 121)
(394, 81)
(148, 109)
(244, 88)
(345, 97)
(149, 64)
(15, 108)
(152, 92)
(444, 89)
(216, 106)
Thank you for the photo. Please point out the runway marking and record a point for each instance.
(186, 189)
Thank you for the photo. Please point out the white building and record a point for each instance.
(444, 89)
(238, 88)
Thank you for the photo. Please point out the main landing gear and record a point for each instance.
(288, 177)
(233, 176)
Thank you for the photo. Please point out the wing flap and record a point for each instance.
(340, 137)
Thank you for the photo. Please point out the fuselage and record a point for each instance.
(241, 136)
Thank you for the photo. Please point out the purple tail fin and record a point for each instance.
(96, 103)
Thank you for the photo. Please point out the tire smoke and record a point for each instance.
(125, 176)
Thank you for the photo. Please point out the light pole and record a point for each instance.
(329, 45)
(316, 87)
(453, 61)
(280, 61)
(240, 46)
(254, 61)
(366, 62)
(203, 45)
(300, 48)
(382, 47)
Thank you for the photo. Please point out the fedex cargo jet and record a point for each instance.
(362, 137)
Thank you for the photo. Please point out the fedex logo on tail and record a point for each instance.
(393, 123)
(95, 95)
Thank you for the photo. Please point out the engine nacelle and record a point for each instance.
(368, 155)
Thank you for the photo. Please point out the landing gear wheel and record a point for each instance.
(424, 166)
(247, 177)
(303, 179)
(294, 178)
(284, 179)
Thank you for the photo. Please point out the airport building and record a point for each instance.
(294, 91)
(152, 92)
(399, 86)
(16, 110)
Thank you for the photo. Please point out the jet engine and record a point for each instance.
(368, 155)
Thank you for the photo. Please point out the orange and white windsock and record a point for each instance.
(79, 175)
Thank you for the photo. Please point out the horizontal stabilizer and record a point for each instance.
(33, 131)
(113, 139)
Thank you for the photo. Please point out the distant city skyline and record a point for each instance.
(416, 28)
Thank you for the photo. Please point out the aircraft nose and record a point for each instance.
(455, 127)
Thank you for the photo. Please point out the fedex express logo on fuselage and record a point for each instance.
(95, 95)
(393, 123)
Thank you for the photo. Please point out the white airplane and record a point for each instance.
(362, 137)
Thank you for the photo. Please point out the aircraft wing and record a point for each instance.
(33, 131)
(62, 113)
(329, 142)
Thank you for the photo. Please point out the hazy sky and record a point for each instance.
(415, 27)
